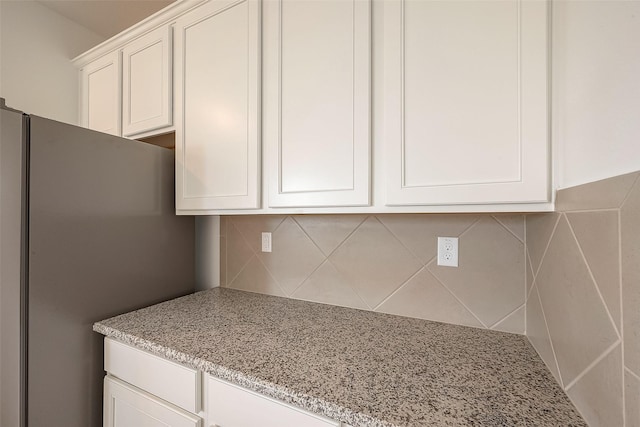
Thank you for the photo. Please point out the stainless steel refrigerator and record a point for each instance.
(88, 231)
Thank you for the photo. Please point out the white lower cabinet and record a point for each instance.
(142, 389)
(128, 406)
(231, 406)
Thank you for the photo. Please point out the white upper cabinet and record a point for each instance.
(217, 48)
(317, 91)
(100, 88)
(466, 102)
(146, 103)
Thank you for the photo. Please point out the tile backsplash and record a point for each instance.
(583, 297)
(385, 263)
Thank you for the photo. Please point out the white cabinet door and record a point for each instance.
(218, 106)
(101, 89)
(146, 66)
(317, 90)
(126, 406)
(231, 406)
(466, 101)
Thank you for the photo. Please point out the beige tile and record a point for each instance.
(605, 194)
(529, 273)
(597, 234)
(539, 229)
(419, 232)
(489, 279)
(374, 262)
(630, 232)
(223, 225)
(238, 252)
(425, 298)
(255, 278)
(632, 398)
(327, 286)
(578, 323)
(513, 323)
(329, 231)
(598, 394)
(293, 258)
(514, 223)
(538, 334)
(223, 261)
(252, 226)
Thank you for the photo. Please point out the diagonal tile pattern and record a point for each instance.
(419, 233)
(597, 234)
(578, 323)
(487, 248)
(294, 256)
(374, 262)
(596, 246)
(425, 297)
(600, 402)
(379, 262)
(329, 231)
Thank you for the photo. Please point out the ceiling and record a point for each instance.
(106, 17)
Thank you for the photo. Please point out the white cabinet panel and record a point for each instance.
(147, 83)
(317, 102)
(170, 381)
(466, 101)
(126, 406)
(100, 91)
(218, 106)
(231, 406)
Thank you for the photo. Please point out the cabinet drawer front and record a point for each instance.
(232, 406)
(170, 381)
(124, 406)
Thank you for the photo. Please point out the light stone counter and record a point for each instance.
(359, 367)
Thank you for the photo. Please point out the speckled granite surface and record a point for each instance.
(359, 367)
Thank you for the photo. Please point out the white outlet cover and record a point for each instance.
(266, 242)
(448, 251)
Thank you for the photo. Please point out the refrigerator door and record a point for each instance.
(11, 170)
(103, 239)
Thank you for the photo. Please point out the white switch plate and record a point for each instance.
(266, 242)
(448, 251)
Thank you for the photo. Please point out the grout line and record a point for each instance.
(473, 224)
(626, 197)
(633, 374)
(230, 281)
(308, 275)
(459, 300)
(272, 276)
(590, 210)
(309, 237)
(593, 364)
(339, 244)
(553, 350)
(505, 317)
(398, 288)
(402, 243)
(544, 253)
(281, 222)
(593, 279)
(507, 228)
(532, 275)
(624, 400)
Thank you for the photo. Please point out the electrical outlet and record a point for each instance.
(266, 242)
(448, 251)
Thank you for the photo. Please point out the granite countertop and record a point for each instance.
(354, 366)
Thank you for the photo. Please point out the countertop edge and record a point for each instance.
(312, 404)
